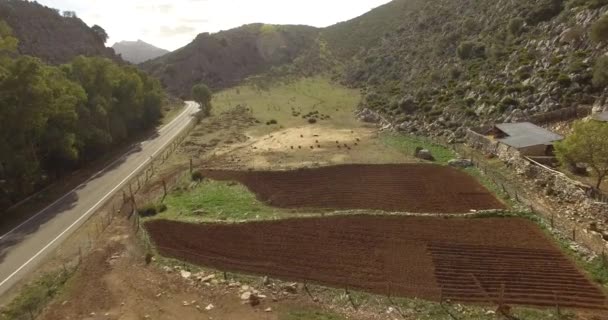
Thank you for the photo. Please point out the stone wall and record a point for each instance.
(563, 201)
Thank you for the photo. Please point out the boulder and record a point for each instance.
(425, 154)
(460, 163)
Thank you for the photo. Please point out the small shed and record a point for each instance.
(602, 116)
(529, 139)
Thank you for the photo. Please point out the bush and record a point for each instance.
(516, 26)
(564, 80)
(544, 11)
(591, 4)
(599, 30)
(197, 176)
(471, 50)
(271, 122)
(312, 120)
(600, 72)
(148, 210)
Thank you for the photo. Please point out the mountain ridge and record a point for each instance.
(138, 51)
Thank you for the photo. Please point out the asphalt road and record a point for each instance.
(23, 248)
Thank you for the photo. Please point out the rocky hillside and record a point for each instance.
(451, 64)
(137, 51)
(50, 35)
(228, 57)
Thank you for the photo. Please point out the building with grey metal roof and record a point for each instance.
(528, 138)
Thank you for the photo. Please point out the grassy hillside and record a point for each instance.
(50, 35)
(226, 58)
(432, 67)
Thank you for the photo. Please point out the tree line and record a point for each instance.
(54, 119)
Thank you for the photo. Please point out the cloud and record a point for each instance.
(182, 20)
(166, 31)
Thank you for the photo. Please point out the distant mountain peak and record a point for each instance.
(138, 51)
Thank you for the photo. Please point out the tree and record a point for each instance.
(600, 72)
(599, 30)
(100, 33)
(202, 95)
(8, 42)
(587, 144)
(471, 50)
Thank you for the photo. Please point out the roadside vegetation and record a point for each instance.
(34, 296)
(56, 119)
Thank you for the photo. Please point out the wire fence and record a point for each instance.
(69, 258)
(569, 228)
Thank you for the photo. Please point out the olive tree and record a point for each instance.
(588, 143)
(202, 95)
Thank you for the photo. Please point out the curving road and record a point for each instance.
(27, 244)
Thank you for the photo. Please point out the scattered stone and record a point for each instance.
(185, 274)
(460, 163)
(291, 288)
(254, 300)
(167, 269)
(424, 154)
(209, 307)
(208, 278)
(269, 309)
(246, 295)
(265, 281)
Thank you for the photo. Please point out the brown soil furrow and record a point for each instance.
(403, 256)
(392, 187)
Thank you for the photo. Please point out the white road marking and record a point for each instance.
(91, 209)
(89, 179)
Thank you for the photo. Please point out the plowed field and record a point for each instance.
(470, 260)
(418, 188)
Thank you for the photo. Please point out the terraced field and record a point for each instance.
(419, 188)
(470, 260)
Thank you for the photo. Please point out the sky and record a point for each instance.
(173, 24)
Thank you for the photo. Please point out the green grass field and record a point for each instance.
(288, 102)
(216, 200)
(407, 144)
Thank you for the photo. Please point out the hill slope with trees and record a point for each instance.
(228, 57)
(57, 118)
(53, 36)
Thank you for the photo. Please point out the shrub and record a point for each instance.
(471, 50)
(312, 120)
(516, 26)
(271, 122)
(564, 80)
(197, 176)
(600, 72)
(591, 4)
(599, 30)
(147, 210)
(545, 10)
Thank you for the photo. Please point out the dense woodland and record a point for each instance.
(56, 118)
